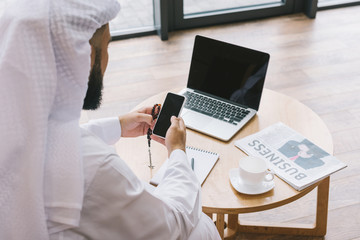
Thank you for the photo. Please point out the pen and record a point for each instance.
(192, 163)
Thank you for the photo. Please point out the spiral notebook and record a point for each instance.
(204, 161)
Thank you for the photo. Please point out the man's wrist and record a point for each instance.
(180, 147)
(177, 151)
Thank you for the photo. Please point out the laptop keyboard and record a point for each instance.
(214, 108)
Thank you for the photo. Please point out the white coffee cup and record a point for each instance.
(253, 171)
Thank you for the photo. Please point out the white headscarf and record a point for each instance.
(44, 69)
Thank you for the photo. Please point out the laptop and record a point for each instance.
(224, 87)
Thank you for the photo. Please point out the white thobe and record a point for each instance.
(118, 205)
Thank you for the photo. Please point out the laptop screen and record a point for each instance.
(228, 71)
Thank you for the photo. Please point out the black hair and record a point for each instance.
(93, 96)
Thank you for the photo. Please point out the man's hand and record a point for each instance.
(175, 136)
(136, 123)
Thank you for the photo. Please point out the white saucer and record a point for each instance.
(237, 183)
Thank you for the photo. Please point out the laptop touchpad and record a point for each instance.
(196, 120)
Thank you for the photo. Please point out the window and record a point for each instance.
(143, 17)
(202, 6)
(134, 17)
(334, 3)
(196, 13)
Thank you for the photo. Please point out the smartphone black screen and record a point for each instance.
(171, 107)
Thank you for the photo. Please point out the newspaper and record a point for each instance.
(290, 156)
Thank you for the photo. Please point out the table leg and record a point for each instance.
(226, 230)
(220, 224)
(316, 229)
(322, 207)
(232, 226)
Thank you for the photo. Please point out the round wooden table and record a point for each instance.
(218, 196)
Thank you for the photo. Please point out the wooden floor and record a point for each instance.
(314, 61)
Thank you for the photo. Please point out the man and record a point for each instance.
(60, 181)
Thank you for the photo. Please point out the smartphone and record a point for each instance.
(171, 107)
